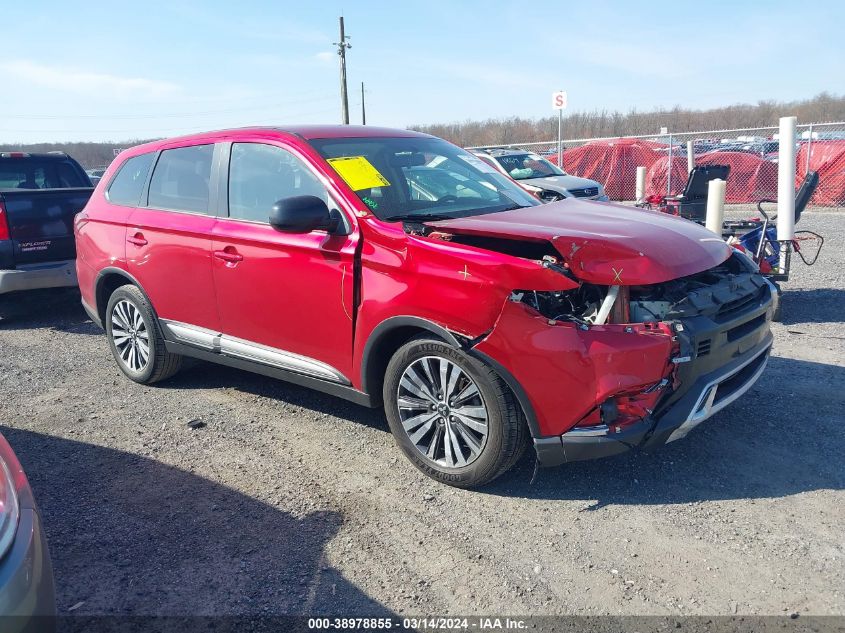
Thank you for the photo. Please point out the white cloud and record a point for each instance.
(325, 57)
(86, 82)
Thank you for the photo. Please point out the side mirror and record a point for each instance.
(302, 214)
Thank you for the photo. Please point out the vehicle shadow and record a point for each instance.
(131, 536)
(821, 305)
(784, 437)
(57, 308)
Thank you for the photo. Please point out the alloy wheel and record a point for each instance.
(442, 412)
(130, 335)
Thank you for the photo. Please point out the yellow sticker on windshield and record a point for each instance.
(358, 172)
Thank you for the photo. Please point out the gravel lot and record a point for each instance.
(289, 501)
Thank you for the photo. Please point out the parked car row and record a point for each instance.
(614, 163)
(396, 270)
(96, 173)
(540, 177)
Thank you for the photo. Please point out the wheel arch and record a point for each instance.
(387, 337)
(391, 334)
(108, 280)
(514, 385)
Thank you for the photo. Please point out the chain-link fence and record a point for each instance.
(751, 154)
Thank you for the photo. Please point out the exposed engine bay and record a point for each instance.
(580, 305)
(722, 289)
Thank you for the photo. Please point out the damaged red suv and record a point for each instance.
(395, 269)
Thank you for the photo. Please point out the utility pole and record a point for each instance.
(363, 108)
(342, 45)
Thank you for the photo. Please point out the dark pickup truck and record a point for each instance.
(39, 196)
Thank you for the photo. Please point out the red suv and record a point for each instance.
(393, 268)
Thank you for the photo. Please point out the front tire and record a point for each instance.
(777, 315)
(135, 338)
(453, 416)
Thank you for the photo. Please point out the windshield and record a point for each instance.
(410, 178)
(525, 166)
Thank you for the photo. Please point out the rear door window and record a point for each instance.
(128, 184)
(181, 177)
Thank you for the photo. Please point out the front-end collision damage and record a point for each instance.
(600, 243)
(571, 369)
(617, 332)
(610, 367)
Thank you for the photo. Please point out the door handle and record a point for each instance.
(137, 239)
(230, 257)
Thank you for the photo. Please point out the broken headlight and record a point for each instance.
(580, 305)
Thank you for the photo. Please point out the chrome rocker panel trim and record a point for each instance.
(220, 343)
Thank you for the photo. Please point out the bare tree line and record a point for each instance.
(601, 123)
(821, 108)
(89, 155)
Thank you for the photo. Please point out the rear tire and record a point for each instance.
(453, 416)
(135, 338)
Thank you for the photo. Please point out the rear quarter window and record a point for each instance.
(126, 187)
(181, 177)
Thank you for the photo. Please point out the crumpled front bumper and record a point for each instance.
(724, 354)
(590, 391)
(707, 395)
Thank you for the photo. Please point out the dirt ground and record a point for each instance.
(288, 501)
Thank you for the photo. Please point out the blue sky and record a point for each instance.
(113, 71)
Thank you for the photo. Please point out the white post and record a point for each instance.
(809, 148)
(715, 205)
(560, 138)
(690, 157)
(640, 189)
(669, 171)
(786, 186)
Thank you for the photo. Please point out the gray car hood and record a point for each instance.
(561, 183)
